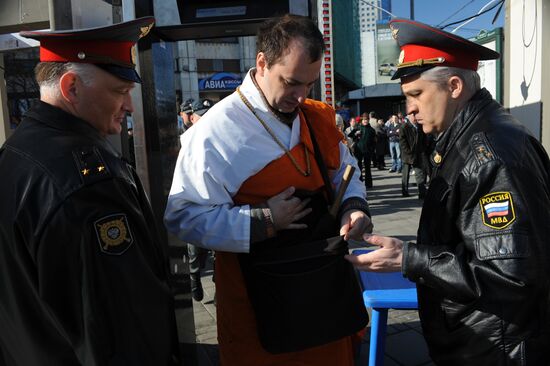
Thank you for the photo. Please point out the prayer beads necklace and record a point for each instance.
(305, 173)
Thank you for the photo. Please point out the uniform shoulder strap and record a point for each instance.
(90, 165)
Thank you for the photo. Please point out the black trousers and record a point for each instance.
(196, 256)
(364, 161)
(419, 176)
(380, 163)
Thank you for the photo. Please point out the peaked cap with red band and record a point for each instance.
(424, 47)
(110, 47)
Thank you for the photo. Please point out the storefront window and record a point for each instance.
(21, 88)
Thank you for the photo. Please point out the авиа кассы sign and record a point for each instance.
(221, 81)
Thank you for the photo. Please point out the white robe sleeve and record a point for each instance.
(200, 208)
(218, 227)
(221, 151)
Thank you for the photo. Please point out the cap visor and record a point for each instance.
(410, 71)
(121, 72)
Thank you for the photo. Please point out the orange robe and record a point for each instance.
(238, 340)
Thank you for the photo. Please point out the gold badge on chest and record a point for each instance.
(437, 158)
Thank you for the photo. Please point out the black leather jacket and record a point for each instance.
(482, 260)
(83, 275)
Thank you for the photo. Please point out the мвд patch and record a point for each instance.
(497, 210)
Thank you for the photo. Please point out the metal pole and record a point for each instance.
(412, 9)
(60, 14)
(4, 113)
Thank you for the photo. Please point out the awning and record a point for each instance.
(376, 91)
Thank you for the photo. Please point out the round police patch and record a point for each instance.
(497, 210)
(113, 234)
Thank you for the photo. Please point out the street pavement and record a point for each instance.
(393, 215)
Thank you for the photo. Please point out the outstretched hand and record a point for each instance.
(387, 258)
(287, 209)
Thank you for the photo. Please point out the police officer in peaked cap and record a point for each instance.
(186, 109)
(187, 106)
(83, 269)
(480, 261)
(199, 108)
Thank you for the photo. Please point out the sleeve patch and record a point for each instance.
(497, 210)
(113, 234)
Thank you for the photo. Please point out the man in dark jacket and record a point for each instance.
(412, 141)
(365, 148)
(83, 272)
(481, 260)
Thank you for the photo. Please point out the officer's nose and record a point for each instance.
(412, 108)
(128, 105)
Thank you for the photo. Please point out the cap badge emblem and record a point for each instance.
(394, 32)
(133, 54)
(402, 56)
(81, 55)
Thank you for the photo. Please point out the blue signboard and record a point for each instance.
(345, 113)
(220, 81)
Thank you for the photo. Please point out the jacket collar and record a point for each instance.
(58, 119)
(460, 124)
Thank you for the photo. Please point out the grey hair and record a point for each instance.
(48, 75)
(441, 74)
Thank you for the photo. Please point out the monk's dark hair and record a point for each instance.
(276, 34)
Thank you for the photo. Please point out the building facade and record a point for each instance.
(347, 46)
(212, 68)
(370, 15)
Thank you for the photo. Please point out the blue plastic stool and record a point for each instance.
(383, 291)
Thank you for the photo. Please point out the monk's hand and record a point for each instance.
(287, 209)
(387, 258)
(354, 224)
